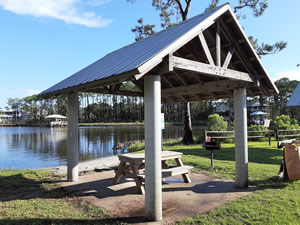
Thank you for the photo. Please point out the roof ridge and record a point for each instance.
(166, 29)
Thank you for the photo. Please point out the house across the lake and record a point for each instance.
(5, 119)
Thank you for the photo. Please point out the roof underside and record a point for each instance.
(294, 100)
(167, 51)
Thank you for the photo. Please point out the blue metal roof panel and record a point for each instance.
(295, 98)
(129, 57)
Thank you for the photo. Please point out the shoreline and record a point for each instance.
(87, 166)
(100, 124)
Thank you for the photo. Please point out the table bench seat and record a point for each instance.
(170, 172)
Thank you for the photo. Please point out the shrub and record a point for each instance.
(284, 122)
(257, 128)
(217, 123)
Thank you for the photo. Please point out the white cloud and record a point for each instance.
(291, 74)
(64, 10)
(29, 92)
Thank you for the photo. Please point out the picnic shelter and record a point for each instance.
(204, 58)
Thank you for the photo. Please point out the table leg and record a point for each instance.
(164, 164)
(138, 181)
(119, 172)
(185, 176)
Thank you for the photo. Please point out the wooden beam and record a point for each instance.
(227, 45)
(167, 81)
(116, 87)
(206, 49)
(180, 78)
(204, 68)
(205, 88)
(170, 62)
(118, 92)
(228, 58)
(139, 84)
(218, 44)
(239, 50)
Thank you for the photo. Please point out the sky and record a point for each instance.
(44, 41)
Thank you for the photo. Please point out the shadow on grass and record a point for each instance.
(18, 187)
(255, 154)
(131, 220)
(271, 183)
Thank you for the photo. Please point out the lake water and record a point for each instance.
(34, 147)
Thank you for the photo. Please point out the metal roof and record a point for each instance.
(129, 57)
(257, 104)
(258, 113)
(152, 54)
(295, 98)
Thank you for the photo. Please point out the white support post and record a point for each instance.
(241, 137)
(72, 141)
(153, 187)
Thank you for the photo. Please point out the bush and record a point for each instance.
(216, 123)
(257, 128)
(284, 122)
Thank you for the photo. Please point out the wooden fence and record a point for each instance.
(278, 134)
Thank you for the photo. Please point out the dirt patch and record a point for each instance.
(180, 200)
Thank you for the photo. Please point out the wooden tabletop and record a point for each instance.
(140, 157)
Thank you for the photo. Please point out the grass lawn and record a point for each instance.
(33, 197)
(276, 202)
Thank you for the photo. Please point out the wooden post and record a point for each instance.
(153, 186)
(218, 45)
(72, 141)
(241, 137)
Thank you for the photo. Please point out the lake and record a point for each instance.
(39, 147)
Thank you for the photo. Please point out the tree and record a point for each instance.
(286, 88)
(216, 123)
(179, 10)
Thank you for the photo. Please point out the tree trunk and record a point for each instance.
(188, 134)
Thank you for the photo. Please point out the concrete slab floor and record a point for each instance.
(180, 200)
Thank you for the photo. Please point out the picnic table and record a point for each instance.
(133, 165)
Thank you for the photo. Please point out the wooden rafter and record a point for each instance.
(228, 58)
(172, 86)
(106, 90)
(183, 82)
(114, 88)
(218, 44)
(206, 49)
(227, 45)
(239, 51)
(204, 68)
(139, 84)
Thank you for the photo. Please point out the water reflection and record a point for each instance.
(33, 147)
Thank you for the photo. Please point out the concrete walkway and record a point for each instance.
(86, 166)
(180, 200)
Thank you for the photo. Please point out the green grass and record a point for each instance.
(34, 197)
(276, 201)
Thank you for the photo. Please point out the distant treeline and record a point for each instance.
(113, 108)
